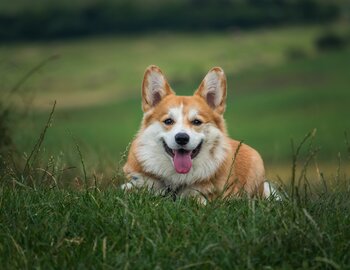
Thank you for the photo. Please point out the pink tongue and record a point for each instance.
(182, 161)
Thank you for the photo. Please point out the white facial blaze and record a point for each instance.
(178, 116)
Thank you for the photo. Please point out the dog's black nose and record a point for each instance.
(182, 138)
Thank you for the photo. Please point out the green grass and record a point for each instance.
(48, 219)
(47, 222)
(47, 229)
(117, 63)
(96, 83)
(266, 111)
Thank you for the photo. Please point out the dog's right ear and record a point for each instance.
(213, 89)
(154, 88)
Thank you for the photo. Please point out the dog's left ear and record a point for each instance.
(154, 88)
(213, 89)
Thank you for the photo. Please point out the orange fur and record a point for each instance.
(242, 169)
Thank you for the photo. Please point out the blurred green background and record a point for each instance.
(287, 63)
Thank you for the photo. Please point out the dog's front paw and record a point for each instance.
(127, 186)
(201, 200)
(131, 184)
(194, 194)
(139, 181)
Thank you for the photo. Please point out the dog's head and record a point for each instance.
(184, 132)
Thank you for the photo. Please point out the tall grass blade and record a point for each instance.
(36, 149)
(82, 163)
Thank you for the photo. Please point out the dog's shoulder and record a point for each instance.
(247, 161)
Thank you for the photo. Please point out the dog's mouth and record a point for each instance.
(182, 158)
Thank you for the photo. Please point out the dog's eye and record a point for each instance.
(196, 122)
(168, 121)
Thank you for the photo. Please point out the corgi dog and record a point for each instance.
(183, 147)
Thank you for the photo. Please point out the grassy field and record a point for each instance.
(54, 216)
(273, 97)
(49, 229)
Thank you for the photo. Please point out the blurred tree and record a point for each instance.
(46, 19)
